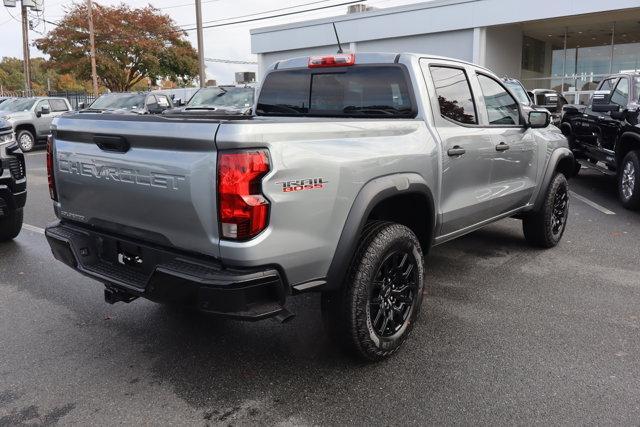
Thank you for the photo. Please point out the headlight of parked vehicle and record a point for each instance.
(6, 138)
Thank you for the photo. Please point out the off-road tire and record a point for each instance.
(22, 136)
(629, 181)
(541, 228)
(10, 225)
(347, 312)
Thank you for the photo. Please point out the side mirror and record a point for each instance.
(178, 102)
(538, 119)
(154, 108)
(45, 110)
(619, 115)
(81, 106)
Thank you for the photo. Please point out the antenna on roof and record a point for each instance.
(337, 38)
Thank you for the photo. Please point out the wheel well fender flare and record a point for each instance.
(626, 138)
(560, 161)
(28, 126)
(370, 195)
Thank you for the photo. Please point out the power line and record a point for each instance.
(183, 5)
(258, 13)
(230, 61)
(277, 16)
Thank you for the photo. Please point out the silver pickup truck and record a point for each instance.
(351, 169)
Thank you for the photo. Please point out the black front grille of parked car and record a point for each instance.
(3, 207)
(16, 168)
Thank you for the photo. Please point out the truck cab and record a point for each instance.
(605, 135)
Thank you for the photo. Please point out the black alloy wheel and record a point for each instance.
(393, 294)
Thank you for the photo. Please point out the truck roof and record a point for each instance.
(369, 58)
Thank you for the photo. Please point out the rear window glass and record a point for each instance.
(366, 91)
(454, 94)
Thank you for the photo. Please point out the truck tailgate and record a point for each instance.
(139, 176)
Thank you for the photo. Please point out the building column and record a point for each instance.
(479, 46)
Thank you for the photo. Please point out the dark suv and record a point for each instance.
(13, 183)
(605, 135)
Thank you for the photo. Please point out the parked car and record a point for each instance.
(179, 96)
(129, 103)
(538, 99)
(4, 99)
(337, 187)
(13, 184)
(31, 118)
(605, 135)
(232, 100)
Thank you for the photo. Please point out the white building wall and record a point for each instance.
(503, 50)
(456, 44)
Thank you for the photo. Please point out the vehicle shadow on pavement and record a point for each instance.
(208, 359)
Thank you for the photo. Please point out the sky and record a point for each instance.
(228, 42)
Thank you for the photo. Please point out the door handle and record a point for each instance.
(111, 143)
(503, 146)
(456, 151)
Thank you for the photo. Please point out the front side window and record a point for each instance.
(454, 94)
(607, 85)
(502, 109)
(620, 96)
(43, 104)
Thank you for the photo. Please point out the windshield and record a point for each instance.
(15, 105)
(238, 98)
(117, 101)
(517, 89)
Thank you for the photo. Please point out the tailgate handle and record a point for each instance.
(111, 143)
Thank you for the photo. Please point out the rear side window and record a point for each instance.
(366, 91)
(58, 105)
(454, 94)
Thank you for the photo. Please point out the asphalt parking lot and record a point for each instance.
(507, 335)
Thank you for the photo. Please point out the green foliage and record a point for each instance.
(132, 46)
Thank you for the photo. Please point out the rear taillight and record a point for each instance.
(242, 209)
(341, 60)
(50, 177)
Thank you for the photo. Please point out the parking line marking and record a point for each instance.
(33, 228)
(592, 204)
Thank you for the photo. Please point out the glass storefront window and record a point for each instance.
(574, 59)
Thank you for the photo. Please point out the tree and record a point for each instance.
(132, 45)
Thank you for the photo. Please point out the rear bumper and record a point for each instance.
(164, 275)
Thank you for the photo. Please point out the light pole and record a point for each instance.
(203, 77)
(25, 5)
(92, 47)
(25, 50)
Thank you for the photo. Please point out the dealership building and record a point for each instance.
(566, 45)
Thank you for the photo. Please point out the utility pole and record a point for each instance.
(25, 50)
(203, 76)
(92, 44)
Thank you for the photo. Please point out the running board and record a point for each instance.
(597, 167)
